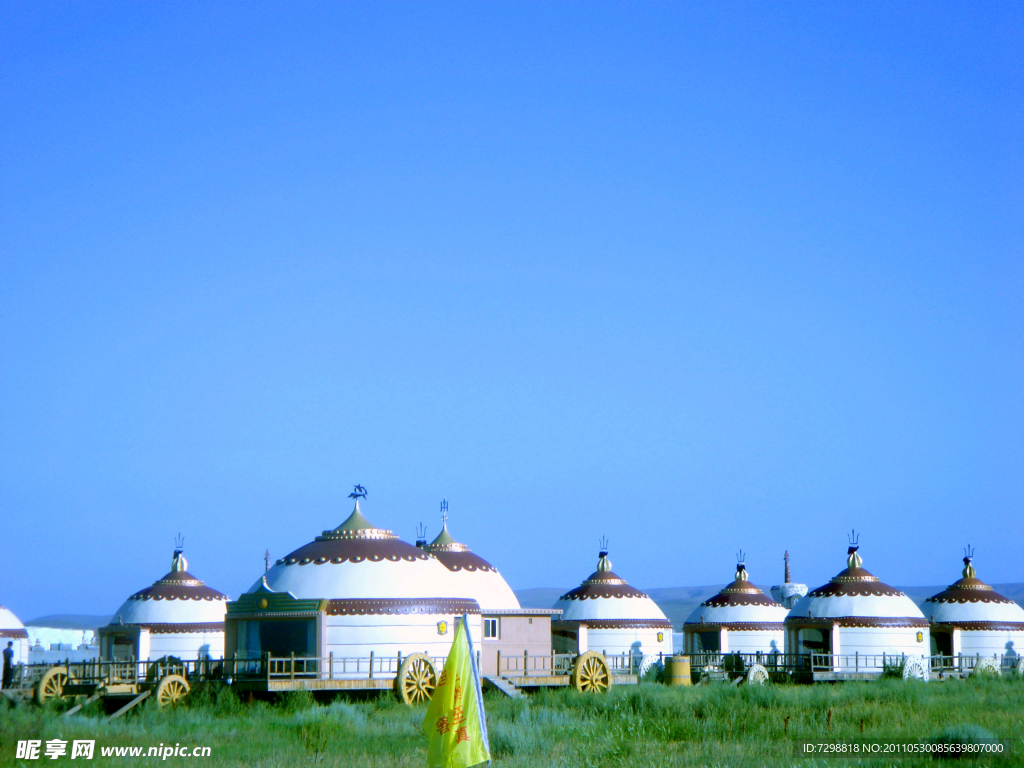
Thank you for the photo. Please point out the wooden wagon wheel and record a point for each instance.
(51, 684)
(757, 675)
(165, 665)
(416, 680)
(590, 673)
(171, 690)
(647, 662)
(915, 668)
(986, 666)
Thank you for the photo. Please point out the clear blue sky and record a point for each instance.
(692, 276)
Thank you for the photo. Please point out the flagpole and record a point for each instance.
(476, 683)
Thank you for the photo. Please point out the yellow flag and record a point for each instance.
(455, 724)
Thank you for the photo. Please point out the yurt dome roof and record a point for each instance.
(970, 603)
(8, 620)
(357, 560)
(606, 599)
(176, 598)
(477, 577)
(740, 605)
(855, 597)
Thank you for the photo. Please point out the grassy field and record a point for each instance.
(644, 726)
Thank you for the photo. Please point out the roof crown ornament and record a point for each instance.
(853, 559)
(356, 526)
(178, 561)
(969, 572)
(421, 535)
(741, 567)
(786, 558)
(603, 563)
(444, 541)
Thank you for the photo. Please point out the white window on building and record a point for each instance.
(490, 627)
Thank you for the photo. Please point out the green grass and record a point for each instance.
(644, 726)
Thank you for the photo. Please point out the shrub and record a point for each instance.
(297, 701)
(963, 736)
(894, 668)
(655, 673)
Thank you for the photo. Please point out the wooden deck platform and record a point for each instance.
(315, 684)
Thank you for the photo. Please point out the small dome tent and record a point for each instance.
(177, 615)
(856, 623)
(740, 619)
(606, 614)
(970, 618)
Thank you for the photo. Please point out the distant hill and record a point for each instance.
(69, 621)
(679, 602)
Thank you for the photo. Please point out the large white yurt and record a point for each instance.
(477, 578)
(353, 591)
(14, 632)
(971, 618)
(739, 619)
(178, 615)
(606, 615)
(862, 622)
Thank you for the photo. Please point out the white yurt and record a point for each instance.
(739, 619)
(606, 615)
(971, 618)
(353, 591)
(178, 615)
(477, 578)
(14, 632)
(859, 620)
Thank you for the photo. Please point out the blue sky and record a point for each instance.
(695, 277)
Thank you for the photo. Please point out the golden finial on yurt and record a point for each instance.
(853, 559)
(603, 563)
(178, 561)
(969, 572)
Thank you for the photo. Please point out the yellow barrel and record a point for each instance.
(677, 670)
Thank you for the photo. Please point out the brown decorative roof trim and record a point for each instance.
(954, 594)
(463, 560)
(178, 585)
(997, 626)
(856, 621)
(401, 606)
(602, 584)
(855, 589)
(970, 582)
(354, 550)
(14, 634)
(735, 626)
(722, 600)
(169, 629)
(618, 623)
(454, 546)
(855, 574)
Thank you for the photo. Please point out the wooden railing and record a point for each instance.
(537, 665)
(526, 664)
(330, 667)
(774, 662)
(124, 671)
